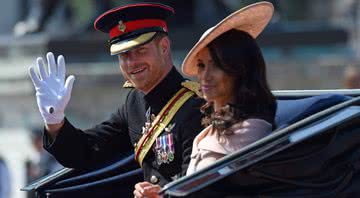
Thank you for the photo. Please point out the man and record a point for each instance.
(160, 116)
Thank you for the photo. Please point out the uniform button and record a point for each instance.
(96, 147)
(135, 144)
(154, 179)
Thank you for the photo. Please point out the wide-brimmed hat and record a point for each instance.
(133, 25)
(251, 19)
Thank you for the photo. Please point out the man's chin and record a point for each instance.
(144, 85)
(145, 88)
(140, 86)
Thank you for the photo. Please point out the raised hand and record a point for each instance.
(52, 91)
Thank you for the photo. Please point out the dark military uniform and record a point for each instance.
(80, 149)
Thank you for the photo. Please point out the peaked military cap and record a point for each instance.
(133, 25)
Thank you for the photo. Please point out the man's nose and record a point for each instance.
(130, 60)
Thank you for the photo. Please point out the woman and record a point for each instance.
(230, 68)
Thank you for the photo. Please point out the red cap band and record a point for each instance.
(130, 26)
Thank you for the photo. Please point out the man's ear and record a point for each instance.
(165, 45)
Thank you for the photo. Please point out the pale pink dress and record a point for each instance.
(207, 148)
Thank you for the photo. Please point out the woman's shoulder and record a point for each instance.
(253, 124)
(250, 130)
(244, 133)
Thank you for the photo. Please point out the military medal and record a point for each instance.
(171, 149)
(158, 157)
(164, 148)
(148, 116)
(170, 127)
(164, 157)
(171, 156)
(163, 151)
(158, 151)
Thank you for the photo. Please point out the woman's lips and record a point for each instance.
(206, 87)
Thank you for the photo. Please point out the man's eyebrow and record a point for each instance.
(142, 47)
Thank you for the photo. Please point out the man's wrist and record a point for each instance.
(53, 118)
(54, 129)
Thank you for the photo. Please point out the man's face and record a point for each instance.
(143, 66)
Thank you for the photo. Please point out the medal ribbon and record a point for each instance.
(164, 143)
(170, 143)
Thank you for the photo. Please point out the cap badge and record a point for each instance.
(122, 26)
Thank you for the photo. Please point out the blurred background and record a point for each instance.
(310, 44)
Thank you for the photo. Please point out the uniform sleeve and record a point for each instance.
(76, 148)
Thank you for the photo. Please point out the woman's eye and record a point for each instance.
(201, 65)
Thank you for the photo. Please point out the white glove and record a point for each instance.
(52, 94)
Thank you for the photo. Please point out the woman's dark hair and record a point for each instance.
(238, 55)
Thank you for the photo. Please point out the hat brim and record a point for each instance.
(251, 19)
(129, 44)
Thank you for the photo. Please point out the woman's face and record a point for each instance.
(216, 85)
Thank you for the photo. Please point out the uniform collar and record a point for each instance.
(162, 93)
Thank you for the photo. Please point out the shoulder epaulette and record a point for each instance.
(128, 84)
(193, 86)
